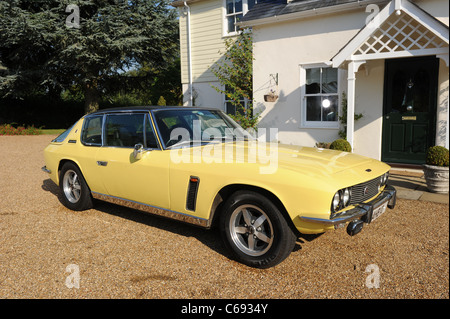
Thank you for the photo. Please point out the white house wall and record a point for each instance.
(369, 102)
(437, 8)
(204, 95)
(282, 48)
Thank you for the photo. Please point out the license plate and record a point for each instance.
(377, 212)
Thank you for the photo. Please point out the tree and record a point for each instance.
(235, 74)
(43, 47)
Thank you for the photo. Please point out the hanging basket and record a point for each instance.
(270, 97)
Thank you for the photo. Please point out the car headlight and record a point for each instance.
(341, 199)
(384, 179)
(386, 176)
(336, 202)
(346, 196)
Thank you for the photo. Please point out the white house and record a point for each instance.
(389, 58)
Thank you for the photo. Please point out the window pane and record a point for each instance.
(313, 81)
(313, 108)
(124, 130)
(231, 24)
(230, 6)
(92, 130)
(238, 6)
(251, 3)
(329, 80)
(329, 108)
(149, 134)
(230, 108)
(238, 18)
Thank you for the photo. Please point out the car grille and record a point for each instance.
(365, 191)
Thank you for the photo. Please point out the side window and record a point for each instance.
(150, 137)
(92, 131)
(124, 130)
(234, 13)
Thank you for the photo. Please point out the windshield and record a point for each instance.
(187, 127)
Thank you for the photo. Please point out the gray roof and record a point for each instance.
(272, 8)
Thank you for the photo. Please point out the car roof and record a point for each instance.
(127, 109)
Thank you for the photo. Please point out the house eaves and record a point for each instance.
(300, 10)
(181, 3)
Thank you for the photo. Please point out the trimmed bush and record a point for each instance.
(341, 145)
(437, 156)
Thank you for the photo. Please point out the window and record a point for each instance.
(92, 131)
(234, 11)
(124, 130)
(320, 105)
(230, 108)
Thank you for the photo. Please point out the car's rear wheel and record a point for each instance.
(255, 230)
(76, 194)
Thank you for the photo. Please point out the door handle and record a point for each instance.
(102, 163)
(387, 117)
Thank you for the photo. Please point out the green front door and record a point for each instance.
(409, 115)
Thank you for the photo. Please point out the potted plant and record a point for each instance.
(436, 169)
(271, 96)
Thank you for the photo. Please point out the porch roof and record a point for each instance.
(401, 29)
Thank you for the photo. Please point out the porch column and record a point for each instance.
(445, 58)
(353, 67)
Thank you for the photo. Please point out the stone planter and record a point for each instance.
(436, 178)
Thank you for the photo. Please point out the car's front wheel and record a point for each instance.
(76, 194)
(255, 231)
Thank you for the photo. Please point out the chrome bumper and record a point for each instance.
(45, 169)
(362, 211)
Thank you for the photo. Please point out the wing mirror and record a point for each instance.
(138, 149)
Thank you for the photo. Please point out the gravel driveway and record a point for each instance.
(122, 253)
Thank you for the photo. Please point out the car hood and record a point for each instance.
(312, 159)
(314, 162)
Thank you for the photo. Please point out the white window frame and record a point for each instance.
(225, 17)
(318, 124)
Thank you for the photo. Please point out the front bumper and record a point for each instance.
(362, 211)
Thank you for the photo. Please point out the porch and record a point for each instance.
(401, 30)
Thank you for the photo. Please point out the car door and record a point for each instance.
(142, 178)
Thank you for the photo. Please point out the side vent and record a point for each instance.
(192, 193)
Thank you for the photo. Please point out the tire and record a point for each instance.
(76, 194)
(255, 231)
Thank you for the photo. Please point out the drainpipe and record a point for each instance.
(189, 52)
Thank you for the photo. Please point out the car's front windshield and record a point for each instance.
(185, 127)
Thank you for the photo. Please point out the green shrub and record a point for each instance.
(162, 101)
(341, 145)
(437, 156)
(8, 129)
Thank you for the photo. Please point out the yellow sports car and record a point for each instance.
(198, 166)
